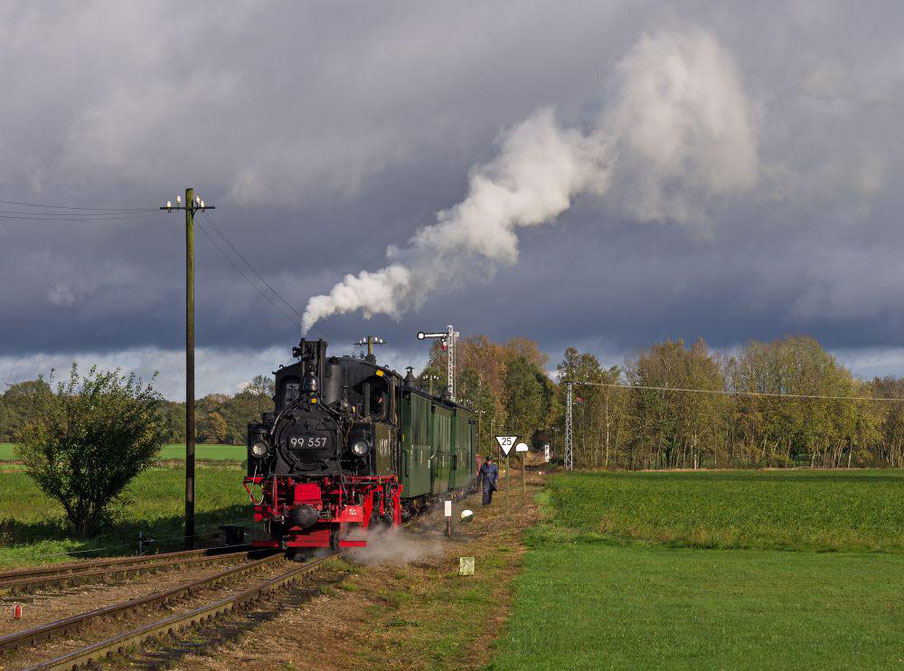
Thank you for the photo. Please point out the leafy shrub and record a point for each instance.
(83, 443)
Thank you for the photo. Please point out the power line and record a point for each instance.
(724, 392)
(42, 213)
(219, 231)
(70, 213)
(247, 263)
(245, 276)
(91, 209)
(75, 218)
(85, 214)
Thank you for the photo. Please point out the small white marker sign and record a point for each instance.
(448, 510)
(506, 443)
(521, 447)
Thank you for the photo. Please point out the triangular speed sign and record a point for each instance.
(506, 443)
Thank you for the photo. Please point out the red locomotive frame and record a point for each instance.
(342, 504)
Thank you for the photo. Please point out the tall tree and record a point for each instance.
(524, 398)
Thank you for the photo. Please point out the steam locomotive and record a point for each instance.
(350, 445)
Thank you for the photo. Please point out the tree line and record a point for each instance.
(783, 403)
(219, 418)
(761, 405)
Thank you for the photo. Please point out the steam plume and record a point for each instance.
(678, 133)
(393, 545)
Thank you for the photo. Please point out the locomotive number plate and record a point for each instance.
(309, 442)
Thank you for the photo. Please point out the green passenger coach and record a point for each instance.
(437, 445)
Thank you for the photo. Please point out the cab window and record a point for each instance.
(291, 392)
(378, 401)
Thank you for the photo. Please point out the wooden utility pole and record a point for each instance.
(189, 369)
(192, 204)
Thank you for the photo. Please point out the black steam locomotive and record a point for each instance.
(351, 444)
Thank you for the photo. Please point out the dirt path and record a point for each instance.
(401, 604)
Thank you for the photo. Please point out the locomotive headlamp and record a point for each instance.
(260, 449)
(360, 447)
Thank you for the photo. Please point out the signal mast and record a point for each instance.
(447, 339)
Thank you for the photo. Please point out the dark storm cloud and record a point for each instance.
(325, 133)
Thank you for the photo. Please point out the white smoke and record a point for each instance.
(683, 127)
(370, 292)
(392, 545)
(679, 132)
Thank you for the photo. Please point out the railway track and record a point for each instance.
(124, 641)
(28, 580)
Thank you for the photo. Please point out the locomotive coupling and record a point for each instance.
(305, 516)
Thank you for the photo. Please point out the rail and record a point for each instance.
(88, 564)
(126, 640)
(29, 580)
(11, 642)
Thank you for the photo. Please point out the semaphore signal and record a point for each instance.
(447, 339)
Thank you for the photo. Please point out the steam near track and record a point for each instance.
(393, 545)
(677, 131)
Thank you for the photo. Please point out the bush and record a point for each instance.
(85, 442)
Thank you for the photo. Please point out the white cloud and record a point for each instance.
(61, 295)
(216, 370)
(684, 126)
(867, 363)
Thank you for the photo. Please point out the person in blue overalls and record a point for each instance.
(487, 476)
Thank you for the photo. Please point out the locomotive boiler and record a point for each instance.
(351, 445)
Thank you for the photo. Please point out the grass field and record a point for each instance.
(205, 452)
(6, 452)
(32, 529)
(173, 452)
(607, 585)
(793, 510)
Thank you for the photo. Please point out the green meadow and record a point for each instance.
(32, 527)
(782, 510)
(713, 570)
(6, 452)
(172, 452)
(176, 452)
